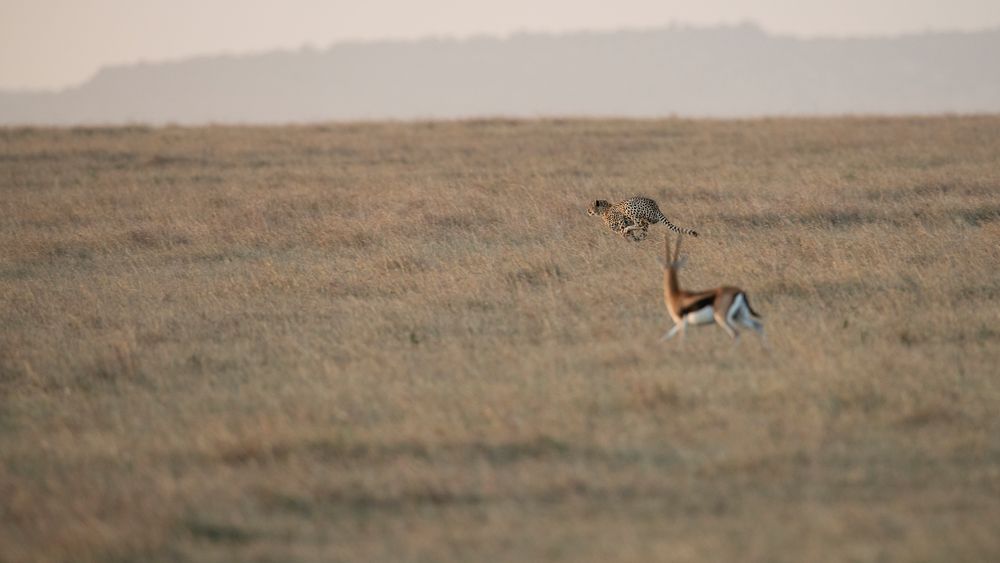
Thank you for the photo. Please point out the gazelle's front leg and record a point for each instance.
(681, 326)
(670, 333)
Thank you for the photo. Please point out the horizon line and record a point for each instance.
(309, 47)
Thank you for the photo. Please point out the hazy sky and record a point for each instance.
(59, 43)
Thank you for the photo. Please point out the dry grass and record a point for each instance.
(408, 342)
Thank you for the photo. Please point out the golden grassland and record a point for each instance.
(408, 342)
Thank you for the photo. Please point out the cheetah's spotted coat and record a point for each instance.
(631, 217)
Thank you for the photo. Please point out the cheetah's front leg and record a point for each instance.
(624, 228)
(636, 232)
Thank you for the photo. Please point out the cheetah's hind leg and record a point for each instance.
(636, 232)
(641, 233)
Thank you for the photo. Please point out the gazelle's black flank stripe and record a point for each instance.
(698, 305)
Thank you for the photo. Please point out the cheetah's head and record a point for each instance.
(598, 207)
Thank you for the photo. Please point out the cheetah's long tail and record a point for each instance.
(663, 219)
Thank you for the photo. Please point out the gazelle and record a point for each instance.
(727, 306)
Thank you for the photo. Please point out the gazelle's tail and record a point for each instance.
(749, 308)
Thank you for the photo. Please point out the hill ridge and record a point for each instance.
(728, 71)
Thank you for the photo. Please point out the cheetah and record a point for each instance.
(631, 217)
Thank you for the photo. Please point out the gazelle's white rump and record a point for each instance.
(702, 316)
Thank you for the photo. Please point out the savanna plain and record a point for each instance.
(409, 342)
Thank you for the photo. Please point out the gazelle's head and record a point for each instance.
(598, 207)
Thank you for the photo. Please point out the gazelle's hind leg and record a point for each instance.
(747, 319)
(752, 323)
(758, 327)
(724, 317)
(725, 321)
(732, 332)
